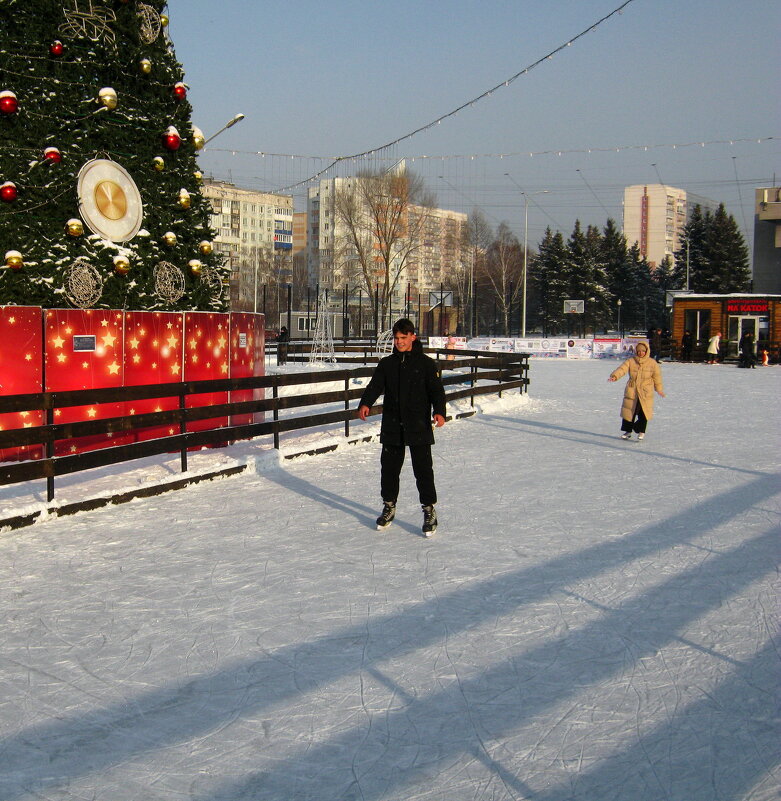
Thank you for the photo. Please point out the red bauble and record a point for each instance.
(8, 192)
(171, 138)
(56, 48)
(180, 91)
(52, 155)
(8, 102)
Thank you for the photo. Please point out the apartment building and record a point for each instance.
(655, 216)
(255, 233)
(767, 240)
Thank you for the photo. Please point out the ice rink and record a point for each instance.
(595, 619)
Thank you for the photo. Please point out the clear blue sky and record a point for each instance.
(318, 80)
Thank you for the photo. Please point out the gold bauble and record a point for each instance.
(121, 265)
(169, 237)
(195, 266)
(14, 260)
(108, 97)
(199, 140)
(75, 226)
(184, 199)
(145, 65)
(205, 247)
(164, 20)
(159, 163)
(198, 176)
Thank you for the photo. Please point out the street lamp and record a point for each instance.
(229, 124)
(526, 196)
(618, 303)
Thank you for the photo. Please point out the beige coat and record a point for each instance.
(645, 377)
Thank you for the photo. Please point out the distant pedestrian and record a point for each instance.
(686, 346)
(656, 343)
(645, 377)
(282, 342)
(411, 387)
(746, 346)
(713, 348)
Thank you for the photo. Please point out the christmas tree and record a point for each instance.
(100, 201)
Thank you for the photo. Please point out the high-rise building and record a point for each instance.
(767, 240)
(255, 232)
(655, 216)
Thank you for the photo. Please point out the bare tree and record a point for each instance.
(503, 271)
(379, 219)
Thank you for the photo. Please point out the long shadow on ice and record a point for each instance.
(719, 746)
(584, 436)
(88, 742)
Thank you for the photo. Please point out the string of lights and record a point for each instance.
(530, 154)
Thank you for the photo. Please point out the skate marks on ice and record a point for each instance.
(404, 748)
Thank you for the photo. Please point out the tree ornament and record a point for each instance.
(198, 175)
(180, 91)
(75, 227)
(171, 138)
(159, 163)
(121, 265)
(196, 266)
(52, 155)
(92, 21)
(184, 199)
(169, 281)
(199, 140)
(150, 23)
(164, 20)
(8, 102)
(205, 247)
(108, 97)
(145, 65)
(14, 260)
(83, 284)
(8, 192)
(169, 237)
(57, 48)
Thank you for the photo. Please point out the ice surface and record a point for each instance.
(594, 620)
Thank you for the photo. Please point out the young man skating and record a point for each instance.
(412, 387)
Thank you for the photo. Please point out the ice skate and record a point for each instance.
(429, 520)
(626, 435)
(641, 436)
(386, 516)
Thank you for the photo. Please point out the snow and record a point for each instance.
(594, 620)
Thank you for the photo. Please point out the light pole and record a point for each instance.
(229, 124)
(526, 196)
(618, 303)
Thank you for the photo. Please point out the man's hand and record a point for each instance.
(439, 421)
(363, 412)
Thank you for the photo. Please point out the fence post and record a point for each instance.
(183, 429)
(275, 395)
(50, 451)
(346, 407)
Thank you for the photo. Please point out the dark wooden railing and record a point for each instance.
(485, 373)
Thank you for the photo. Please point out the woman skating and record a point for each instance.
(645, 376)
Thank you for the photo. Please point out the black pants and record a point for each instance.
(638, 424)
(391, 461)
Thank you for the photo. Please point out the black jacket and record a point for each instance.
(412, 386)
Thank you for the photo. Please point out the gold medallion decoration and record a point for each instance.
(169, 281)
(83, 284)
(109, 200)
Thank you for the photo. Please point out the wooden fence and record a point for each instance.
(479, 373)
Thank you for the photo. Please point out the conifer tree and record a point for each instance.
(691, 260)
(727, 256)
(100, 188)
(547, 277)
